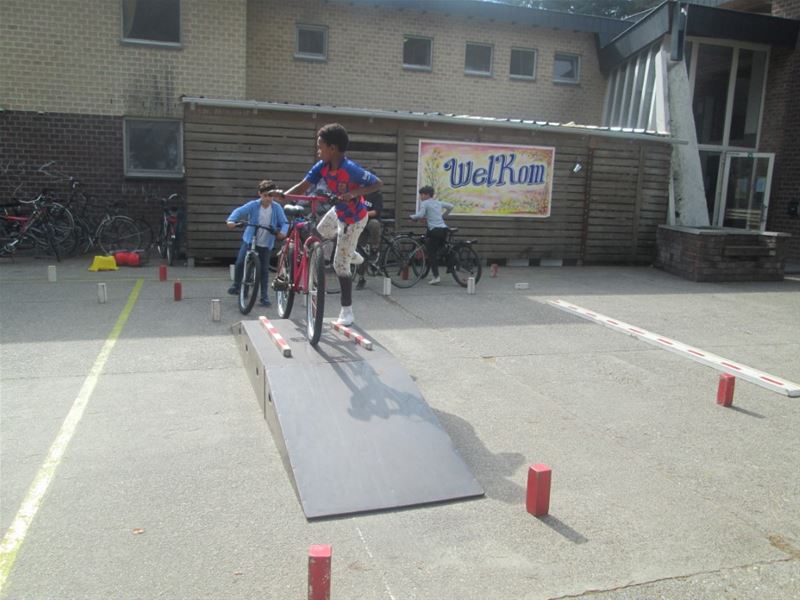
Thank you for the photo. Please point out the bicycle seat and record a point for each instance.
(293, 210)
(387, 221)
(452, 230)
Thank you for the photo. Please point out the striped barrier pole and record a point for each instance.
(760, 378)
(282, 344)
(349, 333)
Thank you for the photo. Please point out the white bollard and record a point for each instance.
(387, 286)
(471, 285)
(216, 310)
(102, 293)
(522, 286)
(51, 273)
(233, 272)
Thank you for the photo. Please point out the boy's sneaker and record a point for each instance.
(356, 258)
(346, 317)
(265, 303)
(361, 283)
(435, 280)
(233, 290)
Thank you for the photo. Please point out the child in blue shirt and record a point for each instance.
(433, 211)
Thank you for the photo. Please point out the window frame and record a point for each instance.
(306, 55)
(490, 72)
(145, 42)
(577, 58)
(412, 67)
(535, 61)
(151, 173)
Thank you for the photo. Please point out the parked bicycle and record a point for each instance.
(301, 265)
(168, 241)
(400, 258)
(458, 256)
(34, 230)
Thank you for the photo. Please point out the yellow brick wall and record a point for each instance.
(66, 56)
(364, 66)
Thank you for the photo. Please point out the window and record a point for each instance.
(478, 59)
(523, 64)
(153, 148)
(566, 68)
(417, 53)
(312, 42)
(151, 21)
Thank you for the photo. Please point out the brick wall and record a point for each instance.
(67, 57)
(780, 131)
(365, 54)
(88, 147)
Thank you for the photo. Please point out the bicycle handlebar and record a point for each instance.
(243, 224)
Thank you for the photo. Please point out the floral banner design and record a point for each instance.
(497, 180)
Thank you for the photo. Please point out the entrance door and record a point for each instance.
(746, 181)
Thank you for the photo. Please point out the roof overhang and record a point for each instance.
(449, 119)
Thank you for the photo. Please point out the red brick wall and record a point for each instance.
(781, 130)
(88, 147)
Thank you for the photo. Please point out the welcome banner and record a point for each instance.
(497, 180)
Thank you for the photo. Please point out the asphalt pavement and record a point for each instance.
(163, 480)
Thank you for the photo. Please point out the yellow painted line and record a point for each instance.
(30, 505)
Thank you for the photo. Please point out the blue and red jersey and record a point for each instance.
(349, 176)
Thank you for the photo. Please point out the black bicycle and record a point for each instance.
(401, 258)
(251, 270)
(457, 256)
(167, 242)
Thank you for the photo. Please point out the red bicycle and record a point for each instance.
(301, 265)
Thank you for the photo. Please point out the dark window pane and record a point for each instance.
(522, 62)
(747, 97)
(479, 58)
(565, 67)
(152, 20)
(154, 146)
(711, 92)
(311, 41)
(417, 52)
(709, 163)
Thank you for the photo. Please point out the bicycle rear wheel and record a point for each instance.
(404, 262)
(283, 282)
(119, 234)
(466, 263)
(316, 294)
(251, 277)
(171, 246)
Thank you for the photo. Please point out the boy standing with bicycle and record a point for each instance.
(433, 211)
(268, 213)
(347, 219)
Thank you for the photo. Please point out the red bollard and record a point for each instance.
(537, 501)
(725, 389)
(319, 572)
(178, 290)
(162, 272)
(493, 270)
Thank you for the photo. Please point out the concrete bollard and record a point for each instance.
(319, 572)
(387, 286)
(522, 285)
(51, 273)
(537, 501)
(471, 285)
(216, 310)
(102, 293)
(233, 272)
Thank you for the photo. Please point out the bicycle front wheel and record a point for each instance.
(283, 282)
(251, 277)
(316, 294)
(172, 247)
(466, 264)
(119, 234)
(404, 262)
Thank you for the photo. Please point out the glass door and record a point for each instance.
(747, 177)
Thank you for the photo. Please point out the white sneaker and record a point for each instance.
(356, 258)
(346, 317)
(435, 280)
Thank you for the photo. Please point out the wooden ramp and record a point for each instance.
(354, 432)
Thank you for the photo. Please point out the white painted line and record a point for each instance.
(30, 505)
(765, 380)
(282, 344)
(349, 333)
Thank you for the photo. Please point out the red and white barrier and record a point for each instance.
(283, 346)
(349, 333)
(765, 380)
(319, 571)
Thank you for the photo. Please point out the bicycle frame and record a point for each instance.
(300, 259)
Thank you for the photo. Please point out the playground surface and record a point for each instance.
(168, 483)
